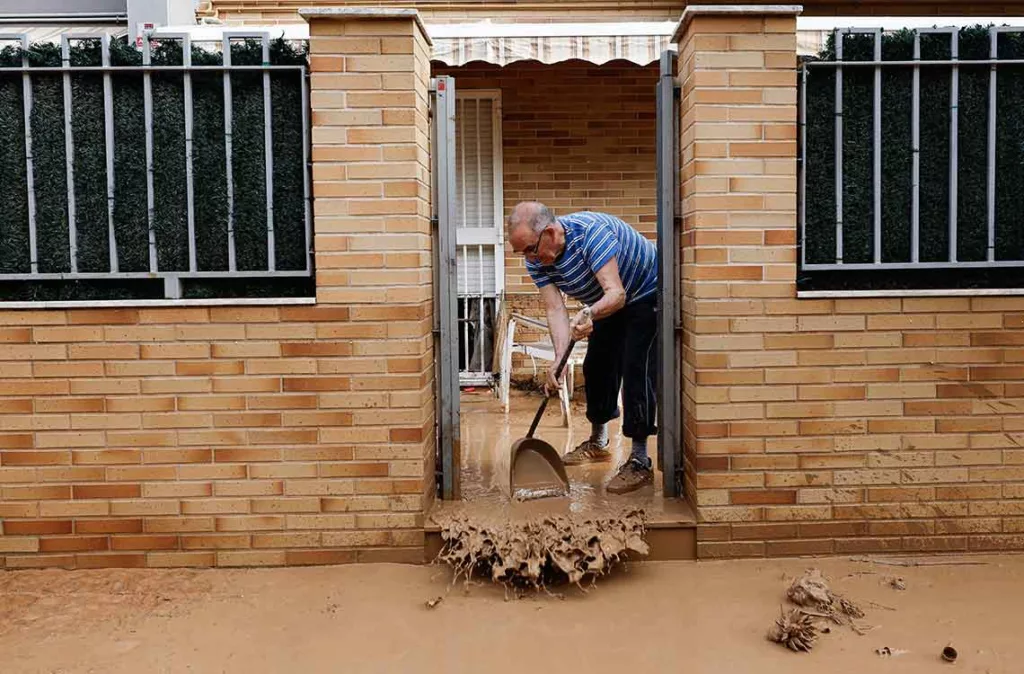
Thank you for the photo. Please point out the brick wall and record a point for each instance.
(577, 137)
(250, 435)
(835, 425)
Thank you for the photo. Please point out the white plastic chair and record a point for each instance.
(542, 350)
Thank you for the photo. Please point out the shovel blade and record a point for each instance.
(537, 471)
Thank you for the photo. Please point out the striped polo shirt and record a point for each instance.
(591, 239)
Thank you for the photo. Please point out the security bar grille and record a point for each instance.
(276, 264)
(823, 250)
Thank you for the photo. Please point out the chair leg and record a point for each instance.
(506, 364)
(563, 395)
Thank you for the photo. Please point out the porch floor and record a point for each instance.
(487, 436)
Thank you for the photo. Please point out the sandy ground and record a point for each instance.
(653, 617)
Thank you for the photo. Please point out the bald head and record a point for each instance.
(534, 232)
(531, 215)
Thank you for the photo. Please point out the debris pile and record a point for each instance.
(813, 598)
(544, 552)
(811, 590)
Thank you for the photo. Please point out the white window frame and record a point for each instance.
(489, 236)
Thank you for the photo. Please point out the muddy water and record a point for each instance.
(487, 437)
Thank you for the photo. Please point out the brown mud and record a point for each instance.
(487, 436)
(694, 617)
(538, 542)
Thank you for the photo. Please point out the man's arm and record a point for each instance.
(614, 294)
(614, 298)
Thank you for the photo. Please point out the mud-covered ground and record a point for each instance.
(655, 617)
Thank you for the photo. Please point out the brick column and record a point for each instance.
(737, 69)
(371, 189)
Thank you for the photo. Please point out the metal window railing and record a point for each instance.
(954, 64)
(171, 277)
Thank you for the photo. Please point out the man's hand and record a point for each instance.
(582, 324)
(551, 385)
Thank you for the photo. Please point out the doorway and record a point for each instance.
(621, 157)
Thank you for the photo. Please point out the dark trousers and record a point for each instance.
(622, 353)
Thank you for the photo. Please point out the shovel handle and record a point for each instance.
(558, 373)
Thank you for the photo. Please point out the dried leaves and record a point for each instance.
(814, 599)
(543, 552)
(811, 590)
(794, 630)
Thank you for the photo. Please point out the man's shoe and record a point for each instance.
(587, 451)
(631, 476)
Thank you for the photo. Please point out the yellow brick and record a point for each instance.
(936, 304)
(800, 410)
(868, 409)
(922, 390)
(174, 351)
(345, 45)
(858, 340)
(389, 64)
(761, 393)
(969, 321)
(830, 323)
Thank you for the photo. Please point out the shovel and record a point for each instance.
(537, 470)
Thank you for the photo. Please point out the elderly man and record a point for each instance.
(612, 270)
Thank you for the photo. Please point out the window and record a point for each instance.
(910, 164)
(170, 171)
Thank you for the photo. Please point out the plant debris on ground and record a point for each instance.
(544, 552)
(813, 598)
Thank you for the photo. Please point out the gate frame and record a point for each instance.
(668, 102)
(446, 313)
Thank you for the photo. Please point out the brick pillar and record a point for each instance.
(371, 189)
(738, 139)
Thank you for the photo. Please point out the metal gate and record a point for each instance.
(446, 309)
(669, 319)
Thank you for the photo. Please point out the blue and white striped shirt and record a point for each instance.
(591, 239)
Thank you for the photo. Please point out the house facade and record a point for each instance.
(304, 431)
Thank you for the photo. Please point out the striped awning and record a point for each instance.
(641, 43)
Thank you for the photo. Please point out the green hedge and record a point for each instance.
(169, 183)
(858, 154)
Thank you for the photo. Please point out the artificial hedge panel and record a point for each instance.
(14, 242)
(897, 157)
(170, 222)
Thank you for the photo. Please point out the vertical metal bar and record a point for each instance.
(480, 259)
(915, 150)
(479, 173)
(838, 125)
(186, 60)
(268, 143)
(444, 120)
(461, 145)
(30, 178)
(69, 152)
(991, 205)
(954, 141)
(877, 135)
(147, 100)
(228, 115)
(307, 214)
(667, 154)
(108, 137)
(803, 166)
(465, 305)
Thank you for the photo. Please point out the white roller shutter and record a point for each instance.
(478, 209)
